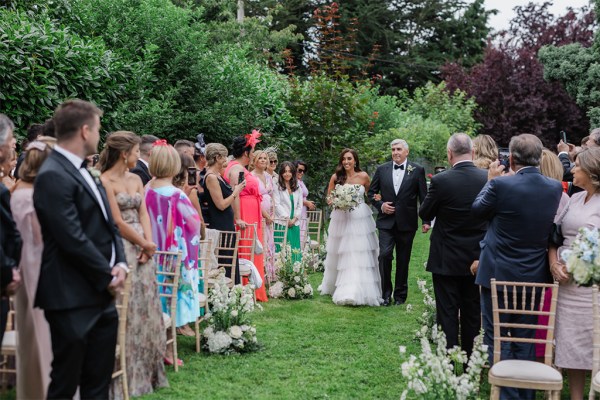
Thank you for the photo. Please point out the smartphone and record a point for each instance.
(503, 158)
(563, 136)
(95, 159)
(191, 181)
(241, 177)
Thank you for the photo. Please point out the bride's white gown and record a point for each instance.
(351, 267)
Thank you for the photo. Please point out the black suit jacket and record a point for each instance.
(78, 239)
(520, 210)
(413, 187)
(141, 170)
(456, 233)
(10, 240)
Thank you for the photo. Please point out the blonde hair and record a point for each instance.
(486, 151)
(551, 166)
(213, 151)
(164, 161)
(257, 153)
(589, 162)
(34, 159)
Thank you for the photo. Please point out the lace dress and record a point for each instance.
(351, 267)
(146, 335)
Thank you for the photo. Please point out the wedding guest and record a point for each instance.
(34, 351)
(301, 170)
(10, 240)
(220, 195)
(141, 167)
(182, 181)
(246, 207)
(287, 197)
(485, 151)
(145, 335)
(261, 162)
(33, 132)
(594, 139)
(200, 160)
(574, 328)
(7, 168)
(184, 146)
(272, 168)
(175, 227)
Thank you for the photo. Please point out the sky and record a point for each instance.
(505, 9)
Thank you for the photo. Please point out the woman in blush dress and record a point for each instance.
(247, 208)
(175, 227)
(287, 197)
(145, 335)
(34, 348)
(351, 267)
(261, 162)
(574, 323)
(301, 170)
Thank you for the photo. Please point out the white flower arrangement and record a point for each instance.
(229, 328)
(292, 279)
(428, 318)
(409, 169)
(583, 258)
(345, 197)
(315, 260)
(95, 173)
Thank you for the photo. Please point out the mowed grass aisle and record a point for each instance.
(312, 349)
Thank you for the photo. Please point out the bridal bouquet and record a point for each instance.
(229, 328)
(583, 258)
(345, 197)
(292, 280)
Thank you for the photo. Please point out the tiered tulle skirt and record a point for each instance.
(351, 267)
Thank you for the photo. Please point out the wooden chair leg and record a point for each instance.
(197, 330)
(556, 395)
(174, 344)
(495, 393)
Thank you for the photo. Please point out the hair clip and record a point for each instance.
(36, 144)
(252, 138)
(160, 142)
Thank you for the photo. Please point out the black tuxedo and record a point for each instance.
(74, 277)
(141, 170)
(398, 229)
(454, 246)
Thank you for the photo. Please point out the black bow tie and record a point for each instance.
(84, 164)
(396, 166)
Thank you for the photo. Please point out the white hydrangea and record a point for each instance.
(235, 332)
(219, 342)
(292, 292)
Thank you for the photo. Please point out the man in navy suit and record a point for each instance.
(399, 183)
(141, 168)
(520, 209)
(455, 243)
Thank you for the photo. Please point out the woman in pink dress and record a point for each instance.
(34, 349)
(247, 207)
(261, 162)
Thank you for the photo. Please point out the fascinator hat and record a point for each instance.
(200, 145)
(252, 139)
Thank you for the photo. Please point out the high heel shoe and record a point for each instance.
(170, 362)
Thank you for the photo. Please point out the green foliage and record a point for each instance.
(43, 64)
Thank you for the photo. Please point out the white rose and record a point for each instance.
(297, 278)
(235, 332)
(308, 289)
(292, 292)
(234, 313)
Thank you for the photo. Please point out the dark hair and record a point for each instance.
(293, 181)
(71, 115)
(34, 131)
(49, 129)
(180, 179)
(238, 148)
(183, 143)
(340, 172)
(116, 143)
(146, 144)
(300, 162)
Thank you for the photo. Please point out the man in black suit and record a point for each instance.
(394, 190)
(455, 242)
(83, 263)
(520, 209)
(10, 239)
(141, 168)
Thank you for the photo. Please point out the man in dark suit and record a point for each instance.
(520, 209)
(83, 263)
(394, 191)
(141, 168)
(455, 242)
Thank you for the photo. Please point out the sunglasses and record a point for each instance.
(273, 161)
(301, 171)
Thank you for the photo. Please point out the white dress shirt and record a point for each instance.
(398, 175)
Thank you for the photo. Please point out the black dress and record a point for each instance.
(221, 220)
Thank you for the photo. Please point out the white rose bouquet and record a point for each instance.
(345, 197)
(583, 258)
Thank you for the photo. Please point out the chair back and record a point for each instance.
(122, 305)
(280, 230)
(227, 251)
(596, 341)
(168, 268)
(247, 242)
(522, 298)
(315, 223)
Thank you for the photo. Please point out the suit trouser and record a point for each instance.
(458, 297)
(83, 345)
(510, 350)
(402, 241)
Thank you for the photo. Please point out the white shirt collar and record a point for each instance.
(404, 163)
(73, 158)
(145, 162)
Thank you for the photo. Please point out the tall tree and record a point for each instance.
(509, 85)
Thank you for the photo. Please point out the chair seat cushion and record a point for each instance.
(166, 319)
(202, 299)
(314, 245)
(10, 340)
(526, 371)
(245, 269)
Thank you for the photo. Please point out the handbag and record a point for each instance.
(258, 247)
(556, 236)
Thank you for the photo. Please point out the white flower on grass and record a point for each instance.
(402, 349)
(235, 332)
(308, 289)
(409, 307)
(292, 292)
(276, 290)
(219, 342)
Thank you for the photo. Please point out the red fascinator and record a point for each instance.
(252, 138)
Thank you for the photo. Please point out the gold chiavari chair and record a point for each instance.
(227, 254)
(203, 261)
(315, 223)
(122, 304)
(8, 351)
(247, 248)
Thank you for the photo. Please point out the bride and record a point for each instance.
(351, 267)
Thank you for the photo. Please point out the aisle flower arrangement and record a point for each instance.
(229, 327)
(428, 318)
(314, 259)
(292, 280)
(583, 258)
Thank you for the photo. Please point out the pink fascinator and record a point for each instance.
(160, 142)
(252, 138)
(36, 144)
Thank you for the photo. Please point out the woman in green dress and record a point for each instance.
(287, 196)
